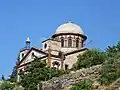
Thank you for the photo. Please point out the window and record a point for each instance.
(69, 42)
(45, 46)
(22, 55)
(21, 70)
(66, 67)
(56, 64)
(77, 42)
(62, 41)
(32, 56)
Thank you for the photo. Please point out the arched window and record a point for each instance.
(45, 46)
(69, 42)
(66, 67)
(56, 64)
(32, 56)
(22, 55)
(77, 42)
(62, 41)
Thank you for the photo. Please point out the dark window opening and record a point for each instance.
(69, 42)
(32, 55)
(77, 42)
(66, 67)
(62, 41)
(21, 70)
(45, 46)
(56, 64)
(22, 55)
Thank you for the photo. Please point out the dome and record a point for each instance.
(69, 27)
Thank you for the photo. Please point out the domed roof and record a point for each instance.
(69, 27)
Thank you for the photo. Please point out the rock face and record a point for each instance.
(18, 88)
(59, 83)
(116, 85)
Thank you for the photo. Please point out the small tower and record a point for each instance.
(24, 50)
(28, 43)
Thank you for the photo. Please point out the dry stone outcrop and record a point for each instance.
(59, 83)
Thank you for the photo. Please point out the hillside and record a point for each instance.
(94, 70)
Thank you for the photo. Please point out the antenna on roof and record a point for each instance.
(90, 43)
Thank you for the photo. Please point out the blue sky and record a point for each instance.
(100, 20)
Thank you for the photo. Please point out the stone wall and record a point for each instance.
(59, 83)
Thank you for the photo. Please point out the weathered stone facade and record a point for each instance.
(60, 83)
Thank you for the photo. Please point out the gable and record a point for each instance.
(29, 57)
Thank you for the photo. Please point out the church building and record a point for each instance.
(59, 51)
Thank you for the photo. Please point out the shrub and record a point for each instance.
(6, 85)
(83, 85)
(111, 67)
(110, 70)
(90, 58)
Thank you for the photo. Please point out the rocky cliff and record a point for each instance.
(60, 83)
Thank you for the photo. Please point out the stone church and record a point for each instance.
(59, 51)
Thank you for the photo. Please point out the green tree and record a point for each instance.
(13, 76)
(112, 50)
(111, 67)
(83, 85)
(6, 85)
(110, 70)
(90, 58)
(37, 72)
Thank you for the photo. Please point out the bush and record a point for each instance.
(37, 72)
(6, 85)
(90, 58)
(110, 70)
(83, 85)
(111, 67)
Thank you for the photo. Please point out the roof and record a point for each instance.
(38, 50)
(46, 55)
(69, 27)
(50, 39)
(76, 51)
(39, 58)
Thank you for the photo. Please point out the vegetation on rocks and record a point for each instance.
(83, 85)
(111, 67)
(90, 58)
(36, 72)
(110, 60)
